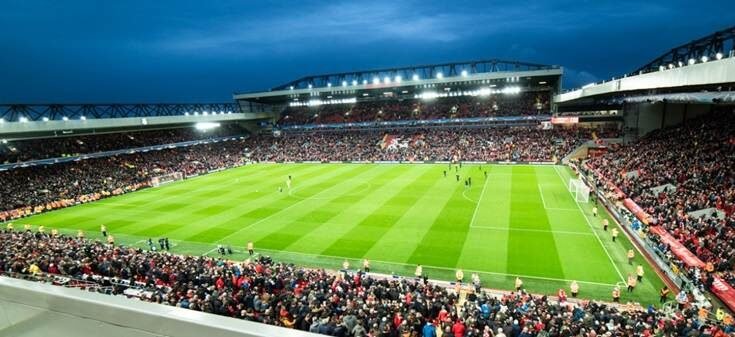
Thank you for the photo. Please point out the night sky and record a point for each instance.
(203, 51)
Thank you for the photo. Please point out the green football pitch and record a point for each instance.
(519, 221)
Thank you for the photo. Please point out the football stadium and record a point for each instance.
(467, 198)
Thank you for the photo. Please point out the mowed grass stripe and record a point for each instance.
(230, 224)
(262, 196)
(530, 253)
(402, 239)
(92, 215)
(487, 249)
(358, 240)
(278, 221)
(301, 227)
(576, 251)
(442, 244)
(353, 211)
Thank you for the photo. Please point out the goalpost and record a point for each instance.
(579, 190)
(166, 178)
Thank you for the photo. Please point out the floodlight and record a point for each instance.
(329, 85)
(464, 73)
(83, 118)
(660, 68)
(376, 80)
(439, 75)
(186, 114)
(671, 66)
(45, 119)
(344, 83)
(290, 88)
(680, 64)
(718, 56)
(704, 59)
(386, 80)
(65, 118)
(5, 141)
(415, 77)
(204, 126)
(310, 86)
(354, 82)
(23, 119)
(692, 61)
(2, 120)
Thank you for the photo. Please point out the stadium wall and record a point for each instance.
(36, 309)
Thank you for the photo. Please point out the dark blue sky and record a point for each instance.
(189, 51)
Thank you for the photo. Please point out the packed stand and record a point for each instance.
(37, 188)
(413, 109)
(467, 144)
(34, 149)
(329, 303)
(696, 162)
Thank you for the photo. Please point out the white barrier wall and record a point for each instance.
(29, 309)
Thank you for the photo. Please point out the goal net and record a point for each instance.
(582, 194)
(579, 190)
(574, 184)
(166, 178)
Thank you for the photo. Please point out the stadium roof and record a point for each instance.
(408, 81)
(422, 71)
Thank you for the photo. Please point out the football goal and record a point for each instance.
(579, 190)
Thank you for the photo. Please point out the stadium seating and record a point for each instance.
(694, 162)
(328, 303)
(441, 108)
(486, 144)
(42, 148)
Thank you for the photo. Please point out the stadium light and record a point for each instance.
(692, 61)
(364, 82)
(464, 73)
(354, 82)
(415, 77)
(290, 88)
(23, 119)
(718, 56)
(5, 141)
(45, 119)
(680, 64)
(83, 118)
(310, 86)
(704, 59)
(329, 84)
(386, 80)
(344, 83)
(229, 112)
(671, 66)
(376, 80)
(205, 113)
(204, 126)
(2, 120)
(64, 118)
(439, 75)
(186, 113)
(398, 79)
(661, 68)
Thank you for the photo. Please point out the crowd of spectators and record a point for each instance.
(66, 146)
(43, 187)
(438, 144)
(676, 171)
(330, 303)
(528, 103)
